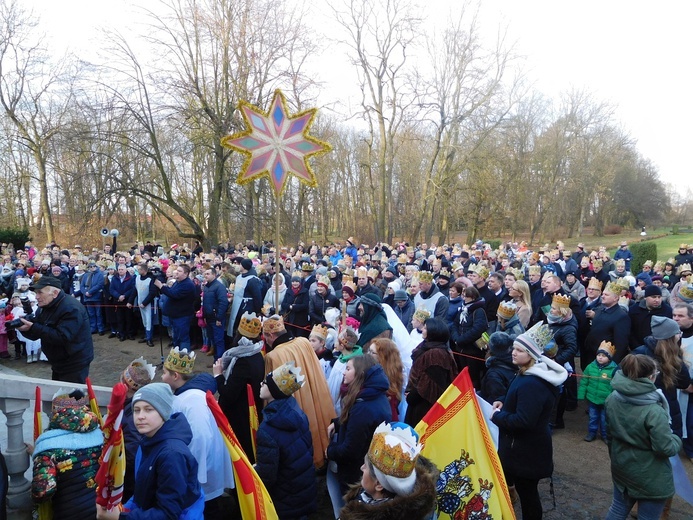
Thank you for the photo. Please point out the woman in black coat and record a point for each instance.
(295, 308)
(468, 325)
(564, 327)
(500, 370)
(524, 444)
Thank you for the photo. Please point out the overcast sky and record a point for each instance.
(634, 54)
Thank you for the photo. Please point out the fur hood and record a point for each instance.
(548, 370)
(417, 506)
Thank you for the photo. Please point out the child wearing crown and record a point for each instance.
(595, 386)
(285, 445)
(397, 482)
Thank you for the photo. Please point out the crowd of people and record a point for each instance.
(339, 340)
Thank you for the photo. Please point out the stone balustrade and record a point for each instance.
(17, 394)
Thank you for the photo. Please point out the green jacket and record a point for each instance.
(640, 440)
(595, 383)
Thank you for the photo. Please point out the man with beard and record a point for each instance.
(610, 322)
(641, 315)
(430, 297)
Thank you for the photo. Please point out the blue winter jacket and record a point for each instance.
(120, 288)
(166, 475)
(180, 298)
(95, 287)
(285, 458)
(214, 301)
(350, 444)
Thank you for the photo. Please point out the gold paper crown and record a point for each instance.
(426, 276)
(373, 274)
(684, 268)
(647, 264)
(444, 273)
(319, 331)
(595, 284)
(296, 274)
(361, 272)
(323, 280)
(394, 450)
(534, 269)
(422, 314)
(138, 374)
(686, 291)
(671, 261)
(348, 338)
(620, 262)
(456, 266)
(350, 285)
(597, 262)
(683, 246)
(606, 346)
(288, 378)
(659, 265)
(250, 325)
(507, 310)
(517, 273)
(613, 288)
(307, 267)
(402, 259)
(179, 360)
(482, 271)
(273, 325)
(562, 301)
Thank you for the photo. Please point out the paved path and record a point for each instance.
(582, 479)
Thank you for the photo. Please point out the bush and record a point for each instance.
(675, 229)
(642, 251)
(495, 244)
(16, 236)
(613, 229)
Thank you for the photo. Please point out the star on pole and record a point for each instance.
(276, 144)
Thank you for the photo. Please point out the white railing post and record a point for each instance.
(16, 456)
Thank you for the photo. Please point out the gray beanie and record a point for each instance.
(401, 295)
(664, 328)
(159, 395)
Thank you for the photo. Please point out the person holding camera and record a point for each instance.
(62, 325)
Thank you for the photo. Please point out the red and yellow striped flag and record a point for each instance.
(457, 440)
(253, 498)
(110, 478)
(93, 405)
(254, 421)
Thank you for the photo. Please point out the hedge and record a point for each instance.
(642, 251)
(15, 236)
(495, 244)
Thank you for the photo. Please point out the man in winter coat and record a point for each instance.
(62, 325)
(610, 323)
(214, 307)
(180, 305)
(641, 315)
(122, 288)
(91, 286)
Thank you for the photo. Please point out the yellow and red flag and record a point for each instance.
(111, 475)
(45, 509)
(93, 405)
(254, 421)
(457, 440)
(253, 498)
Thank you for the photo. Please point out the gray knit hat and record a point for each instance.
(664, 328)
(159, 395)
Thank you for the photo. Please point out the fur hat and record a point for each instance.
(664, 328)
(139, 373)
(284, 380)
(179, 360)
(535, 339)
(393, 453)
(499, 344)
(606, 348)
(273, 324)
(159, 395)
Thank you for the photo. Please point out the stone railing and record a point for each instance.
(17, 394)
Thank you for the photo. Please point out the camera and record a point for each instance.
(16, 323)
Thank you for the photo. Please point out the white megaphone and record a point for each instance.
(114, 232)
(105, 232)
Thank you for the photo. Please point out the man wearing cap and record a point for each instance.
(91, 286)
(404, 308)
(62, 325)
(314, 396)
(624, 253)
(641, 315)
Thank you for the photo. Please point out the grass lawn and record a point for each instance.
(667, 244)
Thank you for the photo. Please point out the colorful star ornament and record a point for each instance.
(276, 144)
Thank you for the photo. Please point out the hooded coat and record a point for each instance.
(374, 322)
(524, 444)
(285, 458)
(351, 441)
(640, 439)
(166, 474)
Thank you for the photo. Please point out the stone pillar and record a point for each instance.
(16, 456)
